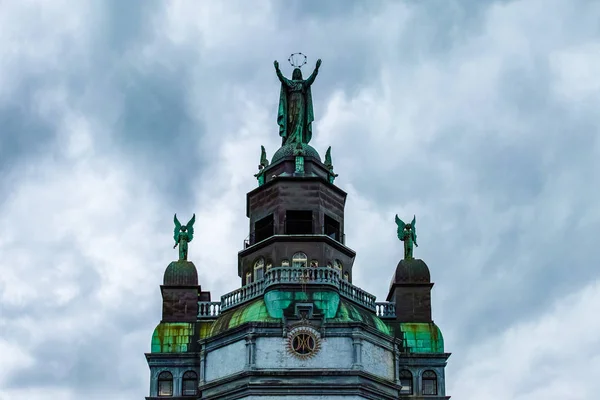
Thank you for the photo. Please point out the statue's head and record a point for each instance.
(297, 74)
(408, 227)
(183, 228)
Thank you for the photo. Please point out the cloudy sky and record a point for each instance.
(479, 117)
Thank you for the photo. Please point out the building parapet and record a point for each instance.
(295, 275)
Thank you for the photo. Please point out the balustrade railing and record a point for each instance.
(298, 275)
(360, 296)
(306, 275)
(242, 294)
(385, 310)
(209, 309)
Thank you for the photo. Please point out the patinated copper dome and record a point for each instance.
(289, 150)
(181, 273)
(412, 271)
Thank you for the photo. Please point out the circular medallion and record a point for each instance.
(303, 342)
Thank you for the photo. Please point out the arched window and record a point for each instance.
(248, 278)
(269, 265)
(165, 384)
(259, 269)
(285, 263)
(429, 383)
(329, 265)
(346, 276)
(299, 260)
(189, 384)
(406, 380)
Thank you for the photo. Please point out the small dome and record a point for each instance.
(412, 271)
(181, 273)
(288, 150)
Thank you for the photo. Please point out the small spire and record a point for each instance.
(329, 165)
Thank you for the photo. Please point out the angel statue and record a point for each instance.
(295, 114)
(183, 234)
(408, 234)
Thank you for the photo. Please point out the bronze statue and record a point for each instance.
(295, 114)
(183, 234)
(408, 234)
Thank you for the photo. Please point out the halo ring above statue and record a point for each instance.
(297, 60)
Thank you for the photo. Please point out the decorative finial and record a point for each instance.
(183, 234)
(329, 165)
(408, 234)
(295, 114)
(264, 163)
(263, 158)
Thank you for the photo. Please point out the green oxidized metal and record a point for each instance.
(289, 150)
(295, 113)
(348, 312)
(277, 301)
(255, 311)
(420, 337)
(178, 337)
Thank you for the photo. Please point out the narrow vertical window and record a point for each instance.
(189, 384)
(165, 384)
(406, 381)
(248, 278)
(259, 269)
(429, 383)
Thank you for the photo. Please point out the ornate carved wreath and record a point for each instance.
(303, 342)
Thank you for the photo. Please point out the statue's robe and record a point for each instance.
(295, 114)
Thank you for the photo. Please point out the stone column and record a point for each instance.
(202, 377)
(250, 351)
(357, 349)
(397, 363)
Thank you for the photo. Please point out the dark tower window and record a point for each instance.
(331, 228)
(406, 380)
(298, 222)
(165, 384)
(259, 269)
(429, 383)
(263, 229)
(189, 384)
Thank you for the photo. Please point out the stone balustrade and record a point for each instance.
(296, 275)
(209, 309)
(385, 310)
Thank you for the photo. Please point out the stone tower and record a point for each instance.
(297, 328)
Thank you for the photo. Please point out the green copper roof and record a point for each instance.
(289, 149)
(348, 312)
(255, 311)
(178, 337)
(326, 301)
(421, 337)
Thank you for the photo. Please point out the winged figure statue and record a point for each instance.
(183, 234)
(408, 234)
(264, 162)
